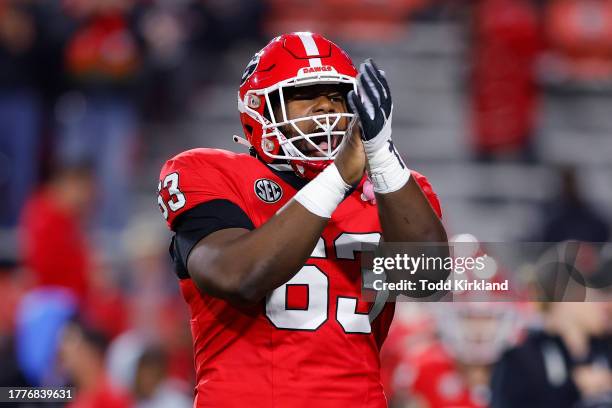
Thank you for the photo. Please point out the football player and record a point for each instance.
(265, 244)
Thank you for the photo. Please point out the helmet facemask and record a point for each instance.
(314, 139)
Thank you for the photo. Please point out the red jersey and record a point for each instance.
(61, 261)
(431, 375)
(312, 342)
(104, 395)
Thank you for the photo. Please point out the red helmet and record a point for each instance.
(293, 60)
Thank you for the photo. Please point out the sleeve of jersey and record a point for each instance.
(428, 191)
(197, 199)
(189, 180)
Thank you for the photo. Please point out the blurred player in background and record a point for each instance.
(451, 366)
(566, 361)
(473, 335)
(81, 355)
(564, 364)
(63, 204)
(265, 243)
(444, 358)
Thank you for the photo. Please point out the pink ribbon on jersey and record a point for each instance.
(367, 192)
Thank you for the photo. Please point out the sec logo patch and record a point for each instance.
(268, 191)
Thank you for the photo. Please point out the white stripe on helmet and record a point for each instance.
(311, 48)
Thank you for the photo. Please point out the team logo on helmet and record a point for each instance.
(250, 68)
(314, 70)
(268, 191)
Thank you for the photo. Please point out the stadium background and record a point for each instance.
(505, 105)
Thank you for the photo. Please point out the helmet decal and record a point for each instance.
(310, 46)
(250, 68)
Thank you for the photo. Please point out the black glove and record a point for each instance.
(373, 105)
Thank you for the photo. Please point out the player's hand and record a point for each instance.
(592, 380)
(351, 159)
(372, 103)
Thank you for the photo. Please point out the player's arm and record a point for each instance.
(406, 215)
(244, 265)
(405, 212)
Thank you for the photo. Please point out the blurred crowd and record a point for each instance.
(88, 296)
(499, 355)
(78, 78)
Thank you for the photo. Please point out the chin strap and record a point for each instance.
(241, 141)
